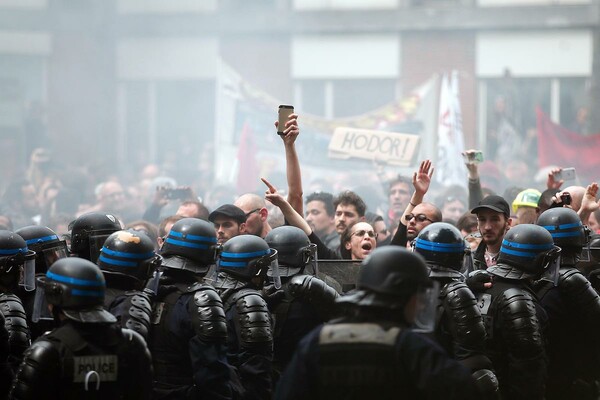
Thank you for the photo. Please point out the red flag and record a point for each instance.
(564, 148)
(247, 179)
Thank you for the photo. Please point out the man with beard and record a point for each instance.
(399, 196)
(349, 208)
(229, 221)
(493, 219)
(256, 212)
(320, 215)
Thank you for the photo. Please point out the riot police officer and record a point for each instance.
(244, 262)
(88, 233)
(573, 308)
(127, 260)
(513, 318)
(88, 355)
(460, 329)
(48, 248)
(371, 352)
(305, 301)
(188, 337)
(16, 269)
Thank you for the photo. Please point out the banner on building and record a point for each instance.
(243, 107)
(387, 147)
(558, 146)
(450, 168)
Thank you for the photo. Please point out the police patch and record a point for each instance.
(105, 368)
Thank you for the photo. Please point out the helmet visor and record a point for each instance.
(427, 301)
(551, 265)
(52, 254)
(40, 305)
(271, 259)
(96, 243)
(27, 278)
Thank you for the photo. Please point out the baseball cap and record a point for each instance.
(494, 203)
(228, 211)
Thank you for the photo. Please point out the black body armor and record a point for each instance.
(249, 340)
(85, 361)
(573, 308)
(514, 323)
(306, 303)
(133, 309)
(15, 321)
(188, 329)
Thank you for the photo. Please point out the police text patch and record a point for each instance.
(105, 366)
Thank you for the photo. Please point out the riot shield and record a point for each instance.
(339, 274)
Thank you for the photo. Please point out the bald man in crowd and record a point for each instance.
(256, 212)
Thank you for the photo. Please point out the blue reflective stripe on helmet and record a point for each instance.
(13, 251)
(565, 226)
(233, 264)
(246, 255)
(42, 239)
(88, 293)
(73, 281)
(123, 254)
(527, 246)
(117, 262)
(566, 234)
(439, 247)
(186, 244)
(525, 254)
(210, 239)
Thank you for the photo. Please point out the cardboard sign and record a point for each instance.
(389, 147)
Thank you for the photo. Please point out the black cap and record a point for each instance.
(228, 211)
(494, 203)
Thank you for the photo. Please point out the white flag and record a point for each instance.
(450, 168)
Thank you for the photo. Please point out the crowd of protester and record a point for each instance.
(171, 293)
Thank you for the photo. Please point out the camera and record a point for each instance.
(284, 112)
(179, 194)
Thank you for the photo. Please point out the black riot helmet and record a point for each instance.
(88, 233)
(76, 287)
(247, 256)
(129, 253)
(442, 246)
(47, 245)
(527, 250)
(388, 278)
(565, 227)
(393, 271)
(17, 262)
(294, 250)
(191, 246)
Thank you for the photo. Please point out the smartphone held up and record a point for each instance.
(284, 113)
(473, 157)
(565, 174)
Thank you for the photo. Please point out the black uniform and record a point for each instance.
(15, 321)
(132, 308)
(188, 341)
(374, 359)
(514, 323)
(85, 361)
(249, 335)
(6, 373)
(573, 309)
(307, 303)
(460, 329)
